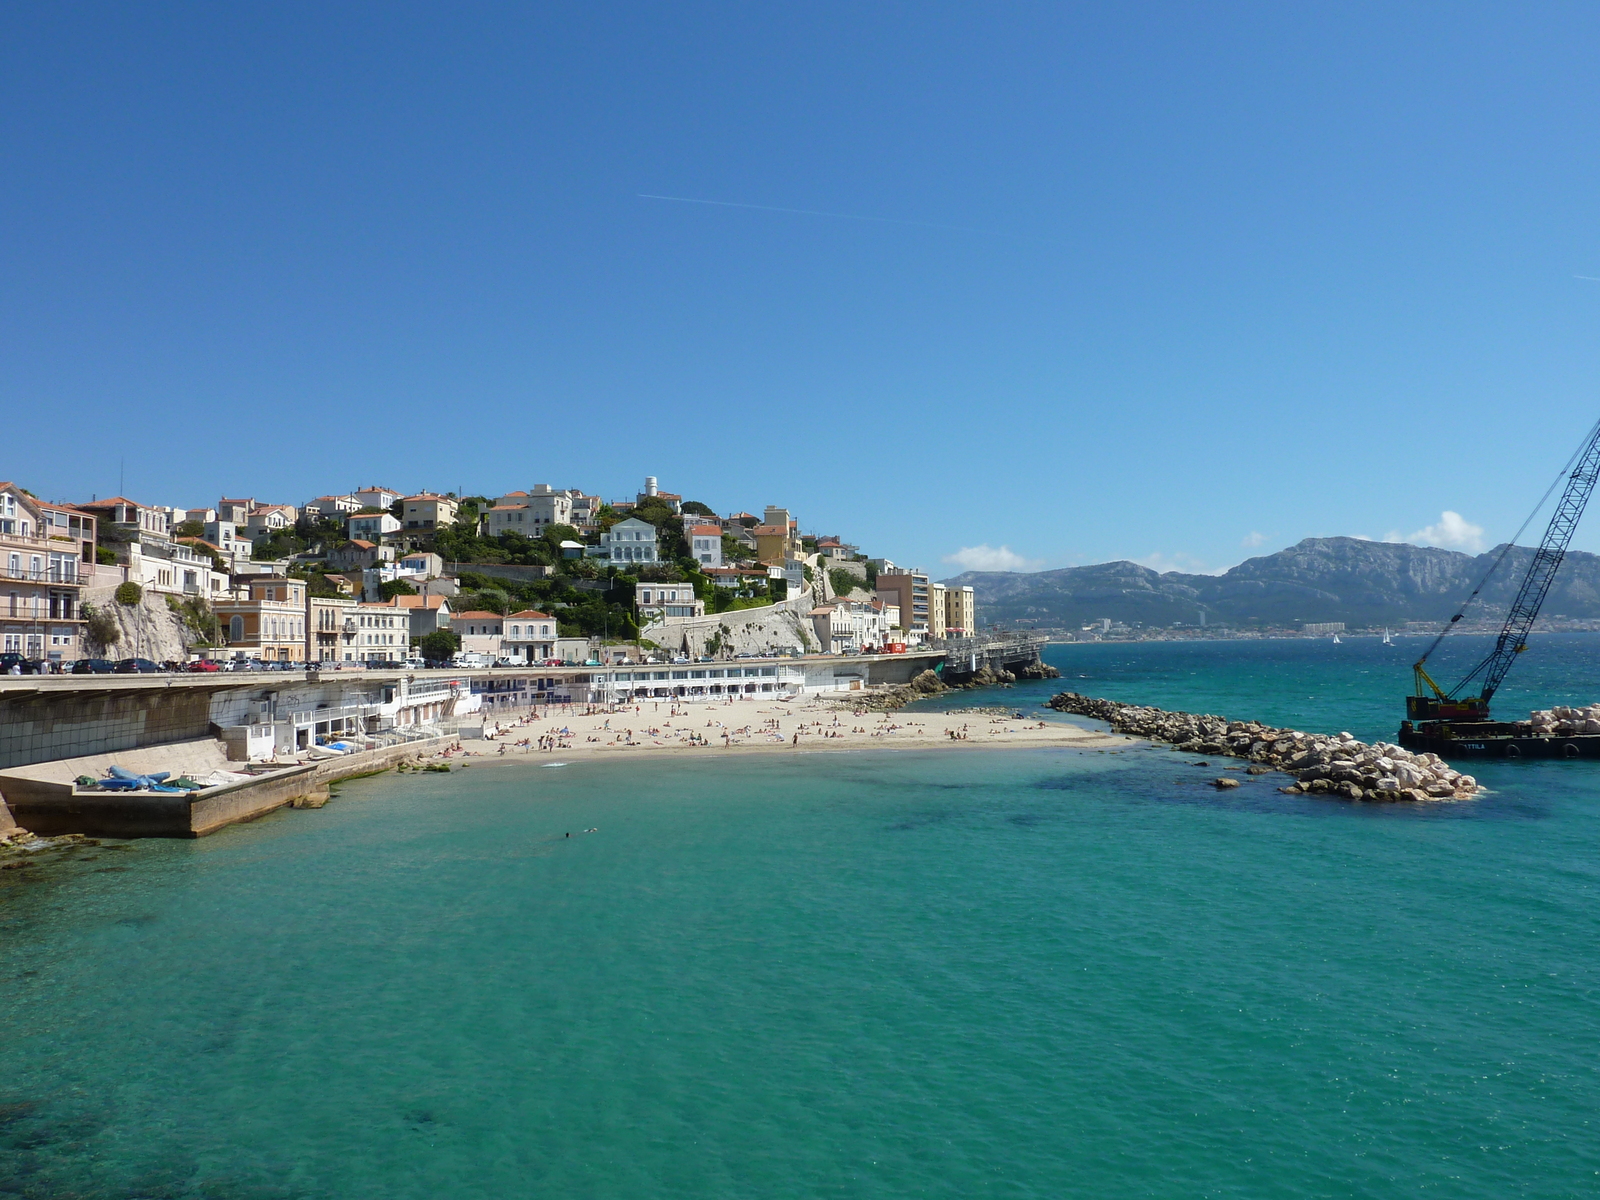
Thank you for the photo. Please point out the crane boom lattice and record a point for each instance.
(1541, 573)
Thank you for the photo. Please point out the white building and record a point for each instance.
(383, 633)
(265, 519)
(850, 626)
(480, 632)
(705, 543)
(334, 506)
(530, 636)
(529, 513)
(630, 541)
(376, 497)
(225, 536)
(372, 527)
(667, 600)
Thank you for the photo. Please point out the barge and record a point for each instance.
(1494, 739)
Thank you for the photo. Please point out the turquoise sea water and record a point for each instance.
(964, 973)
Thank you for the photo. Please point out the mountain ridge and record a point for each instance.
(1317, 579)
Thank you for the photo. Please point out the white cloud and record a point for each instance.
(991, 558)
(1453, 532)
(1255, 539)
(1188, 564)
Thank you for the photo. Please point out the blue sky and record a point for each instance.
(1174, 283)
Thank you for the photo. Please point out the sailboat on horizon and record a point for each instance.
(1386, 640)
(1336, 640)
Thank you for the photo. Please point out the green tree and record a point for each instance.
(491, 599)
(102, 630)
(391, 588)
(192, 529)
(843, 582)
(698, 509)
(439, 645)
(128, 594)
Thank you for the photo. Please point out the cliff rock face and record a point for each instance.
(1318, 579)
(149, 629)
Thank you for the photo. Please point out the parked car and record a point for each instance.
(204, 666)
(92, 666)
(24, 666)
(243, 664)
(138, 666)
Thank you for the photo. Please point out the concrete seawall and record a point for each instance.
(45, 802)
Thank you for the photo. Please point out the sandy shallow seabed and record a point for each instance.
(743, 726)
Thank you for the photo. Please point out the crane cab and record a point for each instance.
(1436, 708)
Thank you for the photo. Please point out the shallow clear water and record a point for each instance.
(964, 973)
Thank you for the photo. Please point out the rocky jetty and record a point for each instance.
(1322, 765)
(887, 699)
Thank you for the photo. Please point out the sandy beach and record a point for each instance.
(806, 723)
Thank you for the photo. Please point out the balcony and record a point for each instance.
(43, 575)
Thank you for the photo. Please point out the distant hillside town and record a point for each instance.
(379, 576)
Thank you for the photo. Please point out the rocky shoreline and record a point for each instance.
(928, 683)
(1336, 765)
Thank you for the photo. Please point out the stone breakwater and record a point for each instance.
(1322, 765)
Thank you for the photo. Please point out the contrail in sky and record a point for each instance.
(809, 212)
(1590, 278)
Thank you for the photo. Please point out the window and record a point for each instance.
(236, 629)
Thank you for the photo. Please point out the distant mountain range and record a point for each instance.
(1319, 579)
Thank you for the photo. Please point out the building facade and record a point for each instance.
(705, 544)
(383, 633)
(426, 512)
(331, 629)
(376, 497)
(371, 527)
(268, 622)
(629, 542)
(908, 590)
(47, 559)
(530, 636)
(667, 600)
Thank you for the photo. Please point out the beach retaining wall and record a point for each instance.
(51, 808)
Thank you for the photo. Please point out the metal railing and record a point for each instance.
(42, 575)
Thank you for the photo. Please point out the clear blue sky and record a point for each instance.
(1149, 280)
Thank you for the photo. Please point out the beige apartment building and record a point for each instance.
(425, 511)
(909, 591)
(46, 560)
(331, 629)
(269, 624)
(960, 612)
